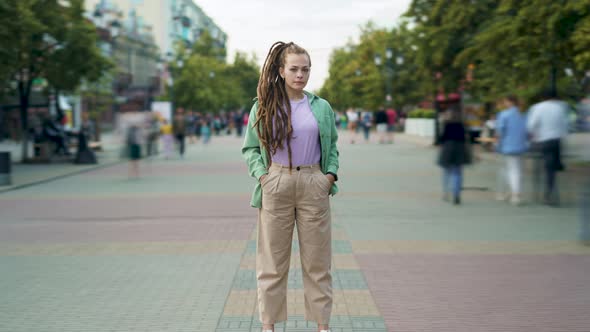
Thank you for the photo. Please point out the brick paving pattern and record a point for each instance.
(174, 250)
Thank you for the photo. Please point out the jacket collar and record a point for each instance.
(310, 96)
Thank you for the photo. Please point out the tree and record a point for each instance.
(206, 46)
(356, 81)
(47, 39)
(442, 30)
(245, 72)
(207, 83)
(528, 45)
(203, 84)
(67, 68)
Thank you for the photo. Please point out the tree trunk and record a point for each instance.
(24, 91)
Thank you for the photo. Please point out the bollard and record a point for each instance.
(5, 169)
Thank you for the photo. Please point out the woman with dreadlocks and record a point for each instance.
(290, 149)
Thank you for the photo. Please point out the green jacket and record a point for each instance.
(257, 158)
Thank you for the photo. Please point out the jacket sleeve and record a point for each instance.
(334, 164)
(251, 148)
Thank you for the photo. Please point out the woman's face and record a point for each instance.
(295, 72)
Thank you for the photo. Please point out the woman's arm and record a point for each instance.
(334, 163)
(251, 150)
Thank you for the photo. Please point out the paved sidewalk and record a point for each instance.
(173, 250)
(23, 175)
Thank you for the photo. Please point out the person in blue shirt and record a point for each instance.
(511, 133)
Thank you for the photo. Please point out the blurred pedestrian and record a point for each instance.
(366, 123)
(381, 125)
(53, 130)
(179, 128)
(511, 134)
(353, 118)
(134, 140)
(238, 122)
(343, 121)
(198, 117)
(153, 129)
(547, 124)
(167, 138)
(454, 154)
(391, 121)
(290, 148)
(191, 127)
(205, 130)
(215, 123)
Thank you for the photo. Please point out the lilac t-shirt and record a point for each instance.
(305, 143)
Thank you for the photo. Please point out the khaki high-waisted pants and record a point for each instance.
(297, 197)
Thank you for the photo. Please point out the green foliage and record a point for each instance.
(522, 42)
(206, 83)
(48, 39)
(245, 72)
(422, 113)
(206, 46)
(355, 80)
(512, 47)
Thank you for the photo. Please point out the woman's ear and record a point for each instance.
(282, 72)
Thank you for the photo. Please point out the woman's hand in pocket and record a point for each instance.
(331, 178)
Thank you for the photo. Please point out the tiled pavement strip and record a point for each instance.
(174, 251)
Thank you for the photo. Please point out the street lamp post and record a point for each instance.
(389, 76)
(389, 71)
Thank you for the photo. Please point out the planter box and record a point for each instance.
(420, 127)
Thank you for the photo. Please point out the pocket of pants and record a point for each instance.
(270, 183)
(324, 182)
(266, 178)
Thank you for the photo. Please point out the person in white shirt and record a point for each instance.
(547, 125)
(353, 119)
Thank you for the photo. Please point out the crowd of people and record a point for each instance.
(152, 131)
(539, 133)
(386, 121)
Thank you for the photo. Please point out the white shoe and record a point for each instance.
(325, 331)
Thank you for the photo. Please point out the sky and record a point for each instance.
(319, 26)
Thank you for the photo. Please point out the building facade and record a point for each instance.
(171, 20)
(129, 41)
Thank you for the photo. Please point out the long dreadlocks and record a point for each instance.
(273, 116)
